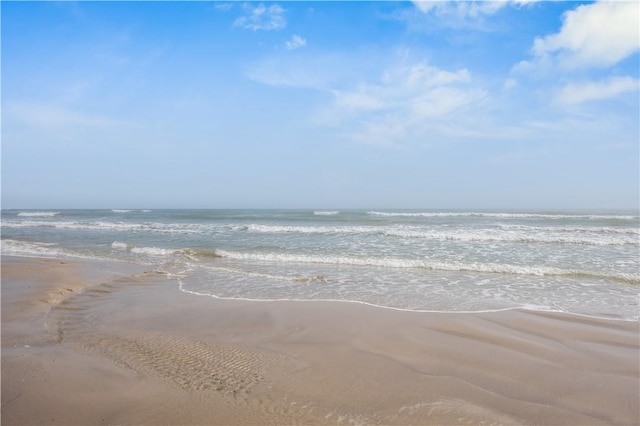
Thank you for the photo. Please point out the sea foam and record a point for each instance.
(38, 214)
(443, 260)
(503, 215)
(598, 236)
(38, 249)
(434, 265)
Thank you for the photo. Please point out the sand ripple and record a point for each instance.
(190, 365)
(186, 363)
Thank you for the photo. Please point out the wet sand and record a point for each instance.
(107, 343)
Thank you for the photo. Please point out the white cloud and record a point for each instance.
(594, 35)
(466, 9)
(406, 103)
(419, 88)
(460, 8)
(593, 91)
(468, 15)
(410, 101)
(262, 17)
(295, 42)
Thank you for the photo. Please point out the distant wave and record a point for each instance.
(598, 229)
(550, 237)
(111, 226)
(37, 214)
(311, 229)
(501, 215)
(597, 236)
(120, 210)
(601, 236)
(326, 213)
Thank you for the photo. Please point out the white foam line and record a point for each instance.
(453, 266)
(73, 256)
(37, 214)
(419, 311)
(545, 235)
(502, 215)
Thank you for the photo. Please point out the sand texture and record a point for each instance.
(106, 343)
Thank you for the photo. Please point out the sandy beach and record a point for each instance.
(91, 343)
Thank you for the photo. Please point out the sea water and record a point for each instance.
(424, 260)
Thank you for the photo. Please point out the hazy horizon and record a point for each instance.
(319, 210)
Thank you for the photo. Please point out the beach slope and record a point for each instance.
(107, 343)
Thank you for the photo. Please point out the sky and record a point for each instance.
(515, 104)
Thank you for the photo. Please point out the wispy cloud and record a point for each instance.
(34, 123)
(51, 117)
(315, 71)
(262, 17)
(575, 93)
(464, 13)
(417, 87)
(409, 102)
(295, 42)
(460, 9)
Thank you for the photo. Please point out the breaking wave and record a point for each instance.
(502, 215)
(38, 249)
(110, 226)
(497, 268)
(597, 236)
(38, 214)
(602, 236)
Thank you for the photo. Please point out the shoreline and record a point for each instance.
(416, 311)
(114, 261)
(119, 338)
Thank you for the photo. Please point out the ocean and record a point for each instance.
(420, 260)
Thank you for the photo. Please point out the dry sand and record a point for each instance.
(106, 343)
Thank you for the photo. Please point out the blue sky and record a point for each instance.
(513, 104)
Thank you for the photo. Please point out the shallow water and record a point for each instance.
(579, 262)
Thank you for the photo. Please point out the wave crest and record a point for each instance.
(502, 215)
(433, 265)
(38, 214)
